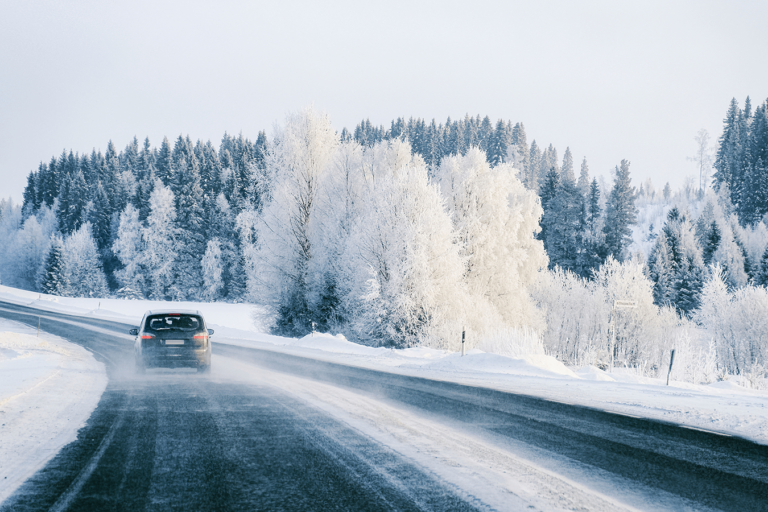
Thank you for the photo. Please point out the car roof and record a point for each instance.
(167, 311)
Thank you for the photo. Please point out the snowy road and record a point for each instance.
(274, 431)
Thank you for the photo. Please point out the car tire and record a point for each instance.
(206, 368)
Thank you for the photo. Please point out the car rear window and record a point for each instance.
(171, 322)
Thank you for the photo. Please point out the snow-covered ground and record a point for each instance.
(723, 407)
(48, 389)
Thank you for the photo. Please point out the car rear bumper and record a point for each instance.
(170, 357)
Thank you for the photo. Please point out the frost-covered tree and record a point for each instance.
(129, 249)
(495, 218)
(211, 267)
(738, 321)
(159, 238)
(54, 280)
(584, 182)
(563, 223)
(620, 212)
(301, 153)
(406, 275)
(703, 158)
(190, 241)
(567, 171)
(662, 272)
(84, 271)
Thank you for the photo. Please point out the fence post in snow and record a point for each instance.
(462, 341)
(671, 360)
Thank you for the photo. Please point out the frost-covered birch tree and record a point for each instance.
(129, 248)
(301, 153)
(495, 219)
(159, 237)
(83, 265)
(211, 268)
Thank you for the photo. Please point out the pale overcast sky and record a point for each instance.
(612, 79)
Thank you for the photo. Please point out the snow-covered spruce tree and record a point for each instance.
(564, 222)
(129, 248)
(211, 266)
(159, 238)
(300, 154)
(55, 281)
(620, 213)
(495, 219)
(567, 171)
(593, 238)
(662, 272)
(584, 182)
(84, 271)
(190, 244)
(761, 278)
(220, 225)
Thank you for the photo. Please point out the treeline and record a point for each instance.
(210, 188)
(577, 234)
(741, 164)
(729, 232)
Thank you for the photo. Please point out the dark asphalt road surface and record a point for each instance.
(177, 441)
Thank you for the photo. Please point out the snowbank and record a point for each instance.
(239, 316)
(48, 389)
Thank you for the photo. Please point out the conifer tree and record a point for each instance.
(164, 163)
(498, 145)
(711, 242)
(583, 182)
(563, 224)
(30, 196)
(620, 213)
(84, 270)
(99, 216)
(761, 277)
(520, 143)
(534, 164)
(190, 242)
(567, 170)
(54, 281)
(662, 272)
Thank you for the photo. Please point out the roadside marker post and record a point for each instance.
(671, 360)
(618, 304)
(463, 332)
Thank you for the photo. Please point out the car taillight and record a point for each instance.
(201, 336)
(147, 337)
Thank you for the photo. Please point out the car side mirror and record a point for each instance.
(133, 332)
(210, 332)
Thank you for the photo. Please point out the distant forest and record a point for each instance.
(581, 225)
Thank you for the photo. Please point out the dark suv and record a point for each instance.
(171, 339)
